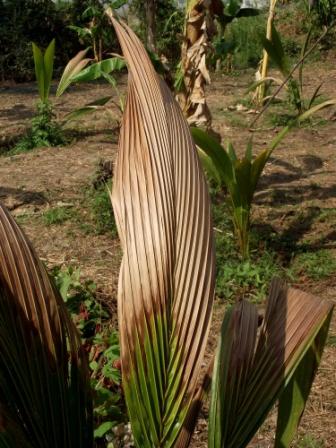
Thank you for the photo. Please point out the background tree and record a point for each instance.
(198, 30)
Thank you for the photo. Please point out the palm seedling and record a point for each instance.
(166, 289)
(44, 130)
(44, 65)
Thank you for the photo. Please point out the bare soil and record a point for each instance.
(299, 182)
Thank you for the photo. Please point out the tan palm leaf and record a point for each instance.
(44, 388)
(166, 283)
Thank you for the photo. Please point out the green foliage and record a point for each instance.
(77, 70)
(315, 265)
(92, 25)
(169, 22)
(295, 87)
(309, 441)
(93, 320)
(237, 278)
(44, 66)
(242, 41)
(100, 69)
(239, 175)
(101, 209)
(324, 13)
(57, 215)
(26, 21)
(44, 131)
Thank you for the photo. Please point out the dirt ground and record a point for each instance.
(298, 181)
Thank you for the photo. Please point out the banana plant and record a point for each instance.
(275, 50)
(44, 65)
(78, 70)
(166, 289)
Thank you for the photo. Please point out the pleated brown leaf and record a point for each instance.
(166, 282)
(254, 367)
(44, 388)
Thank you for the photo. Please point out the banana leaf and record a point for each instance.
(98, 69)
(73, 67)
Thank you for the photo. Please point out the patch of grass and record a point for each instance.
(57, 215)
(316, 265)
(92, 318)
(23, 218)
(309, 441)
(234, 119)
(327, 214)
(237, 278)
(101, 210)
(331, 341)
(280, 119)
(44, 131)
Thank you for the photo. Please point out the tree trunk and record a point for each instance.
(199, 28)
(150, 6)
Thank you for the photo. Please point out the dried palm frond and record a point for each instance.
(255, 367)
(44, 388)
(166, 282)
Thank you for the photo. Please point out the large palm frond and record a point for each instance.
(166, 282)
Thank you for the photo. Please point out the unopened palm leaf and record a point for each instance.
(166, 283)
(44, 390)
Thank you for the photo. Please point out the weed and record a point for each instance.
(57, 215)
(238, 278)
(101, 341)
(101, 209)
(44, 131)
(331, 341)
(316, 265)
(283, 119)
(326, 214)
(309, 441)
